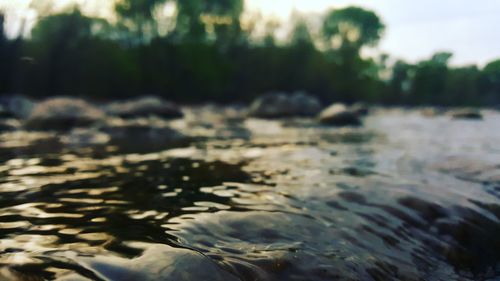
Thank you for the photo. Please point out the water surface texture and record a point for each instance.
(404, 197)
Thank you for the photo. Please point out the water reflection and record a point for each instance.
(293, 202)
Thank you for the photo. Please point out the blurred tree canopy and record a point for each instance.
(218, 20)
(211, 54)
(138, 17)
(352, 28)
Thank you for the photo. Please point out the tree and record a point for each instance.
(138, 17)
(59, 39)
(400, 83)
(490, 82)
(462, 86)
(429, 82)
(352, 28)
(4, 69)
(300, 35)
(344, 33)
(216, 20)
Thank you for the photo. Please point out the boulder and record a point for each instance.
(145, 107)
(142, 135)
(360, 109)
(5, 113)
(9, 125)
(141, 132)
(339, 115)
(278, 105)
(304, 104)
(85, 137)
(466, 113)
(430, 111)
(62, 114)
(15, 106)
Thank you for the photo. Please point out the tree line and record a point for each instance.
(204, 52)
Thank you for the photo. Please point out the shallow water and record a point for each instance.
(405, 197)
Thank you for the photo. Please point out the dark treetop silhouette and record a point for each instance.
(207, 54)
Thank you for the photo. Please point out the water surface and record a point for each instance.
(405, 197)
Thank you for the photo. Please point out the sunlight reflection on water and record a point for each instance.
(405, 197)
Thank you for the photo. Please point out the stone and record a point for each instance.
(9, 125)
(62, 114)
(16, 106)
(5, 113)
(339, 115)
(466, 113)
(360, 109)
(145, 107)
(85, 137)
(304, 104)
(279, 105)
(142, 135)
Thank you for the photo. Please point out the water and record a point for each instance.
(404, 197)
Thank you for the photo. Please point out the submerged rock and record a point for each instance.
(277, 105)
(159, 262)
(466, 113)
(339, 115)
(15, 106)
(4, 113)
(63, 114)
(85, 137)
(142, 134)
(9, 125)
(360, 109)
(144, 107)
(430, 111)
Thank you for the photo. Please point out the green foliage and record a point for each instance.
(206, 58)
(434, 82)
(462, 86)
(199, 20)
(490, 82)
(3, 37)
(70, 28)
(429, 81)
(10, 53)
(137, 18)
(352, 28)
(3, 56)
(301, 36)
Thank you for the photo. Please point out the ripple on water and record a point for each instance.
(404, 198)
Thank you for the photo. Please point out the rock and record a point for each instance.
(63, 114)
(143, 132)
(85, 137)
(430, 111)
(9, 125)
(339, 115)
(360, 109)
(4, 113)
(158, 262)
(144, 107)
(466, 113)
(278, 105)
(15, 106)
(142, 135)
(304, 104)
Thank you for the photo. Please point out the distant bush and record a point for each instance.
(214, 59)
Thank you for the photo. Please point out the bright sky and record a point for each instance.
(415, 29)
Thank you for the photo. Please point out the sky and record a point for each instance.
(415, 29)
